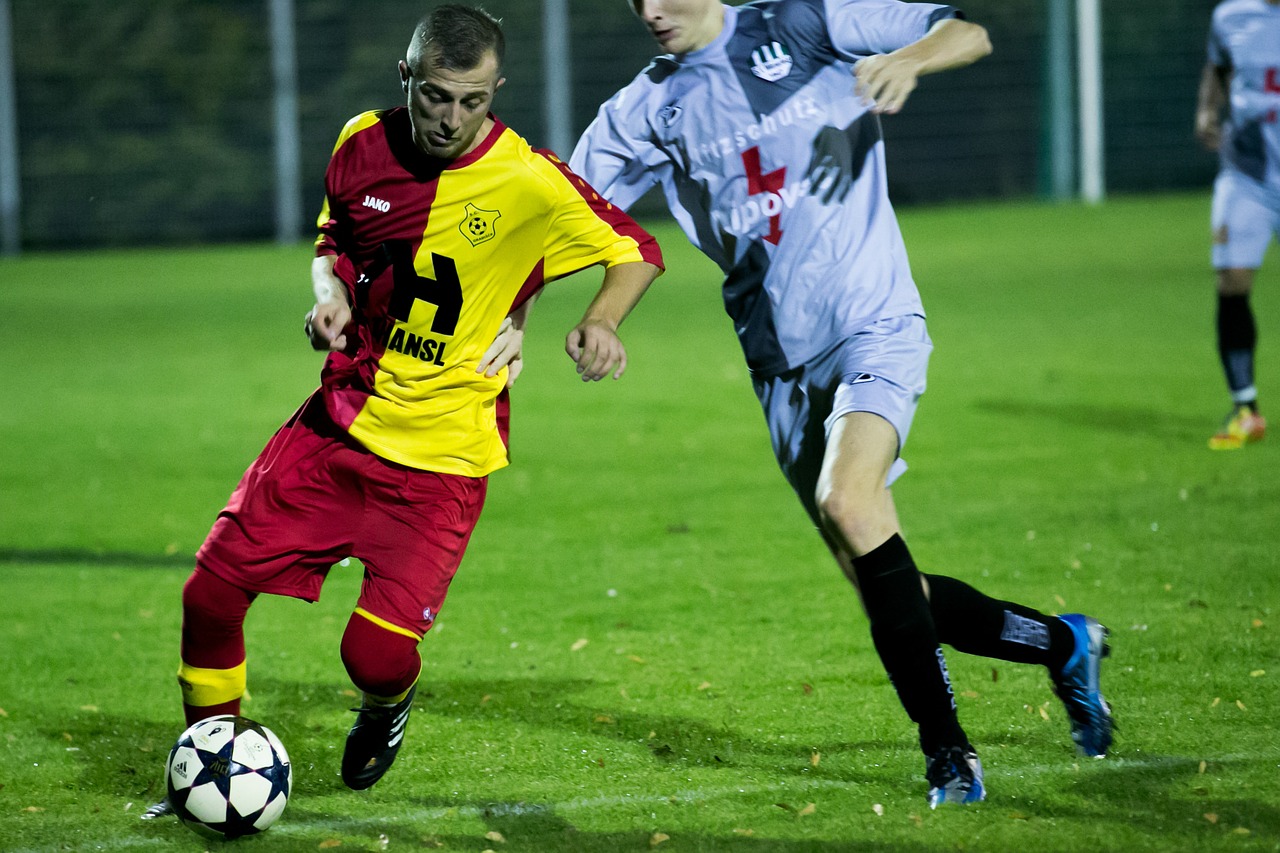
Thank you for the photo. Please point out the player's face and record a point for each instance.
(681, 26)
(447, 106)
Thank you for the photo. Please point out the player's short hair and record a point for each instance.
(456, 37)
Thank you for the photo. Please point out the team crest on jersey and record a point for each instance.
(771, 62)
(669, 114)
(477, 225)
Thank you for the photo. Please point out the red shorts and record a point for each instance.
(314, 497)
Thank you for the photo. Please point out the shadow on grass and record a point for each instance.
(124, 757)
(547, 704)
(1157, 423)
(74, 556)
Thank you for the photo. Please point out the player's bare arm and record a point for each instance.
(887, 80)
(594, 344)
(1210, 100)
(325, 322)
(507, 348)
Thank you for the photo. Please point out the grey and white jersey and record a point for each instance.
(773, 167)
(1245, 37)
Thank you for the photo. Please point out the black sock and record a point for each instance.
(1237, 341)
(904, 637)
(977, 624)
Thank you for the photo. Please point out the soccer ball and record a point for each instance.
(228, 776)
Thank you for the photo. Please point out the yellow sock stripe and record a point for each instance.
(383, 623)
(370, 699)
(202, 687)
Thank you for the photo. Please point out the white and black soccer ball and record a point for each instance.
(228, 777)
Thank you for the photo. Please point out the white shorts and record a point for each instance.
(1245, 218)
(881, 370)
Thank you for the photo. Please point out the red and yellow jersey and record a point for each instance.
(434, 255)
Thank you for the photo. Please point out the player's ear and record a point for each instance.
(498, 85)
(404, 75)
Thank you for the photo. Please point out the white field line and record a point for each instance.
(696, 795)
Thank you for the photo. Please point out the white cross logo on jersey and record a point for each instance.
(771, 62)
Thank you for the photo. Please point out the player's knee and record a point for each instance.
(379, 661)
(212, 606)
(1235, 281)
(852, 518)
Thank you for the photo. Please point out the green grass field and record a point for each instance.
(647, 648)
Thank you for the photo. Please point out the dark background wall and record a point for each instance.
(151, 122)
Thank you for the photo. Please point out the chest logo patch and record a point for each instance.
(478, 225)
(771, 62)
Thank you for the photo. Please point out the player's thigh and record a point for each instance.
(880, 371)
(1245, 219)
(290, 517)
(418, 528)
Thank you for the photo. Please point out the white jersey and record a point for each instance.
(1245, 37)
(733, 133)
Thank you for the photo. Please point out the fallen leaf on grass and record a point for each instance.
(579, 645)
(747, 832)
(635, 659)
(878, 809)
(1216, 700)
(1203, 766)
(1062, 602)
(90, 708)
(1018, 816)
(494, 835)
(806, 810)
(33, 809)
(706, 685)
(807, 688)
(1240, 705)
(814, 758)
(1211, 817)
(1257, 623)
(3, 712)
(1257, 673)
(1240, 830)
(657, 838)
(604, 718)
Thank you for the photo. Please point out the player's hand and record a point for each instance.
(597, 351)
(505, 351)
(831, 167)
(885, 82)
(325, 326)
